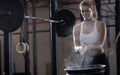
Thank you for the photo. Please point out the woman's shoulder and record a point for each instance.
(100, 22)
(77, 27)
(101, 25)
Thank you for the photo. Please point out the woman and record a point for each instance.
(89, 36)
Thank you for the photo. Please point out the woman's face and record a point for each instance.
(86, 12)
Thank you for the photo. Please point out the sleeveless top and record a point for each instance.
(91, 38)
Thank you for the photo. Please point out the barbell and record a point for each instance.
(12, 15)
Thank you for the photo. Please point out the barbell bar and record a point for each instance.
(47, 20)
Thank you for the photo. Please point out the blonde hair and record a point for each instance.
(91, 4)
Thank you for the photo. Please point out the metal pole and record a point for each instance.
(34, 40)
(25, 31)
(117, 23)
(98, 6)
(55, 55)
(0, 57)
(8, 58)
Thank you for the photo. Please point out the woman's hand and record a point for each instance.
(94, 50)
(81, 49)
(89, 49)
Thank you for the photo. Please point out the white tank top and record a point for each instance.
(91, 38)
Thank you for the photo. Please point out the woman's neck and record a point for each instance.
(89, 22)
(90, 19)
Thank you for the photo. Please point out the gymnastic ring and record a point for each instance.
(21, 47)
(27, 47)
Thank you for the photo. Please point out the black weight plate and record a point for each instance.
(11, 15)
(65, 28)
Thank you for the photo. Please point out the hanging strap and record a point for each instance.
(22, 46)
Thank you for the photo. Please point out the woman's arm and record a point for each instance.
(101, 27)
(102, 33)
(76, 40)
(76, 34)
